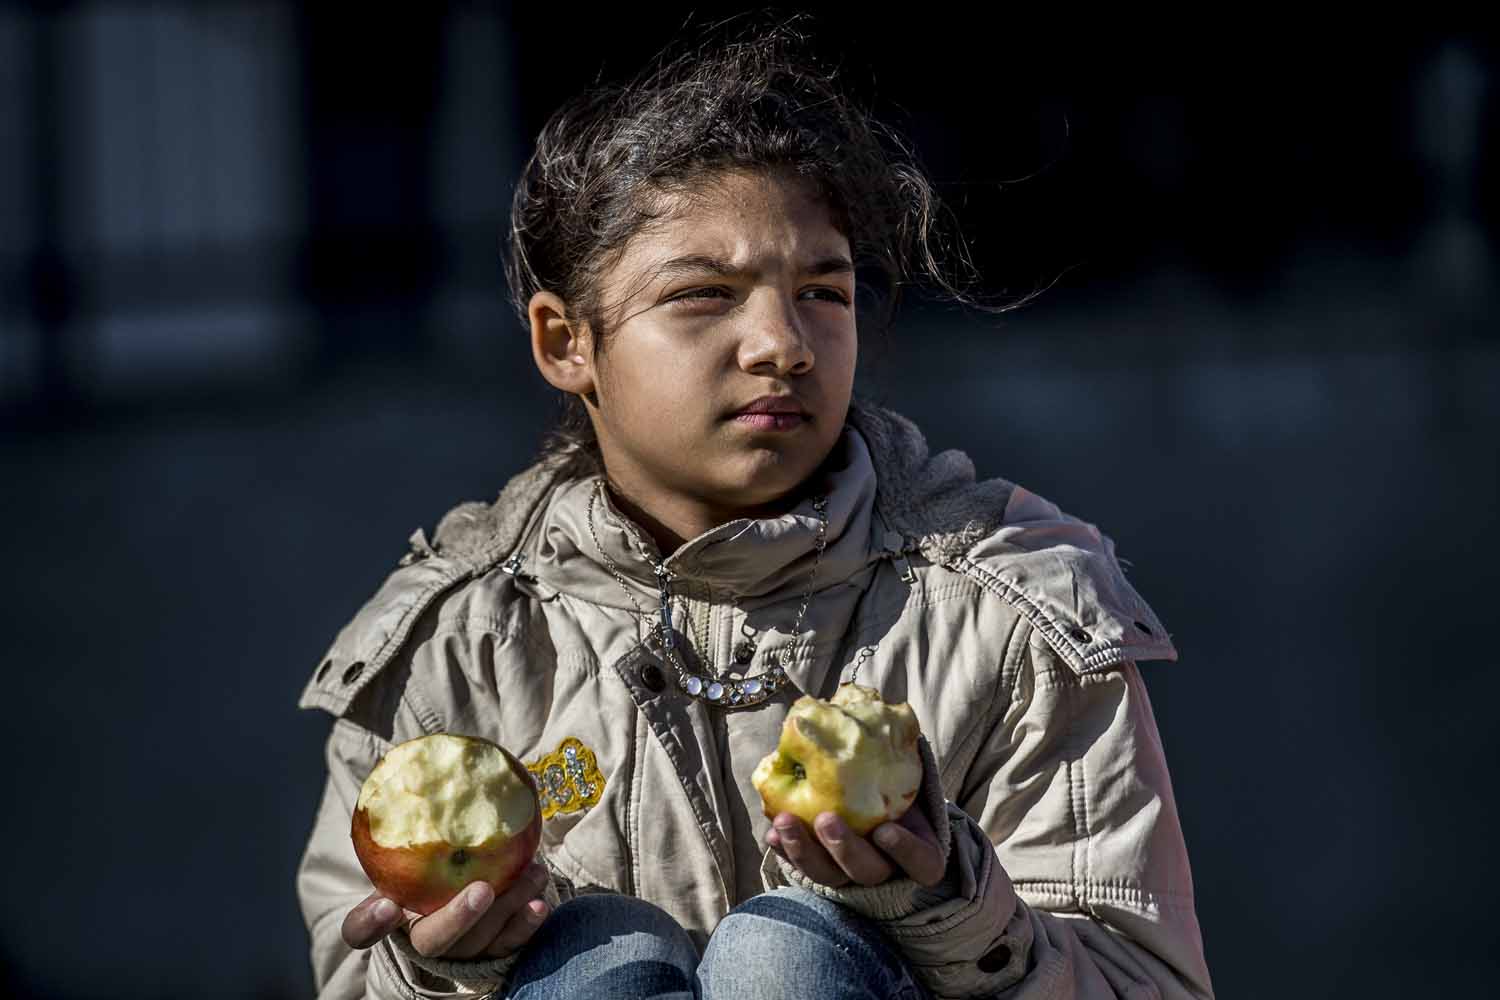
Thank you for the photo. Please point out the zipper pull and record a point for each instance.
(666, 603)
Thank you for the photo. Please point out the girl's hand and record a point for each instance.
(834, 855)
(474, 924)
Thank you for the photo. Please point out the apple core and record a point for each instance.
(854, 754)
(440, 812)
(448, 789)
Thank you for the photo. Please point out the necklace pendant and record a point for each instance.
(742, 693)
(745, 693)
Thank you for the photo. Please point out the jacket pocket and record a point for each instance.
(584, 789)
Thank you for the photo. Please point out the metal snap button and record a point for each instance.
(352, 672)
(995, 959)
(652, 677)
(1079, 635)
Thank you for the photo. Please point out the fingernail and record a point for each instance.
(833, 830)
(887, 838)
(384, 911)
(536, 910)
(478, 897)
(788, 830)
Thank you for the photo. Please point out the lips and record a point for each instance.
(773, 404)
(772, 413)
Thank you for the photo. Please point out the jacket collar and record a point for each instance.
(933, 502)
(1060, 571)
(746, 559)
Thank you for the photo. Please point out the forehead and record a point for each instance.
(750, 220)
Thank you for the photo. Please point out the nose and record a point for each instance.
(776, 341)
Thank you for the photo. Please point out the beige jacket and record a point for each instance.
(1006, 624)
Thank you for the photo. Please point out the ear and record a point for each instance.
(560, 346)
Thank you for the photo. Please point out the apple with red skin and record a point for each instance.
(441, 812)
(854, 754)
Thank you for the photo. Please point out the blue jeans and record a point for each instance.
(787, 943)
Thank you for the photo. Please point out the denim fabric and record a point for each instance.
(604, 945)
(779, 944)
(791, 943)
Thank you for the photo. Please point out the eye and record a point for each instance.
(824, 294)
(708, 292)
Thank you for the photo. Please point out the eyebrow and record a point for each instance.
(706, 263)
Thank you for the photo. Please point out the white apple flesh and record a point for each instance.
(855, 755)
(440, 812)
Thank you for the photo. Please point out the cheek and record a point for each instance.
(651, 396)
(841, 353)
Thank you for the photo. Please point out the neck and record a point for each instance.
(673, 520)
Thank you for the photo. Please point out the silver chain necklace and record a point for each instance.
(746, 691)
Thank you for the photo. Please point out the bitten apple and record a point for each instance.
(854, 755)
(442, 811)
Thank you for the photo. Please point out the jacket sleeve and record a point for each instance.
(1067, 875)
(330, 882)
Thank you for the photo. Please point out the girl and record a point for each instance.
(716, 529)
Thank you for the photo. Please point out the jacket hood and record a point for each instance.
(586, 540)
(933, 501)
(1059, 570)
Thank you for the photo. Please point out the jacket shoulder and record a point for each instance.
(1059, 572)
(377, 632)
(470, 540)
(1062, 575)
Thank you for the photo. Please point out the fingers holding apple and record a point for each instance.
(829, 852)
(473, 924)
(913, 845)
(446, 828)
(845, 770)
(477, 923)
(833, 855)
(442, 811)
(371, 919)
(854, 755)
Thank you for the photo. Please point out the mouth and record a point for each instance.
(772, 413)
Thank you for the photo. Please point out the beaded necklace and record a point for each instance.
(742, 693)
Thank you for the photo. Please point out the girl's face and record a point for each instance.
(726, 375)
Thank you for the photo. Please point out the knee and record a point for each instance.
(800, 937)
(608, 914)
(793, 912)
(614, 910)
(611, 929)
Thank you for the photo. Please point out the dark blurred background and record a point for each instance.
(253, 332)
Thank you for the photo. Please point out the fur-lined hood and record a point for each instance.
(1058, 571)
(933, 501)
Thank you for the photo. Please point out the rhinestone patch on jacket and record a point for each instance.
(567, 779)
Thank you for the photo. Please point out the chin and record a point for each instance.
(770, 475)
(769, 488)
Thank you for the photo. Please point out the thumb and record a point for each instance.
(370, 920)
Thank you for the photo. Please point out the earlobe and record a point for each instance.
(560, 346)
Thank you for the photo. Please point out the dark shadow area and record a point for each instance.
(253, 332)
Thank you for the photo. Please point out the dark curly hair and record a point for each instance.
(745, 97)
